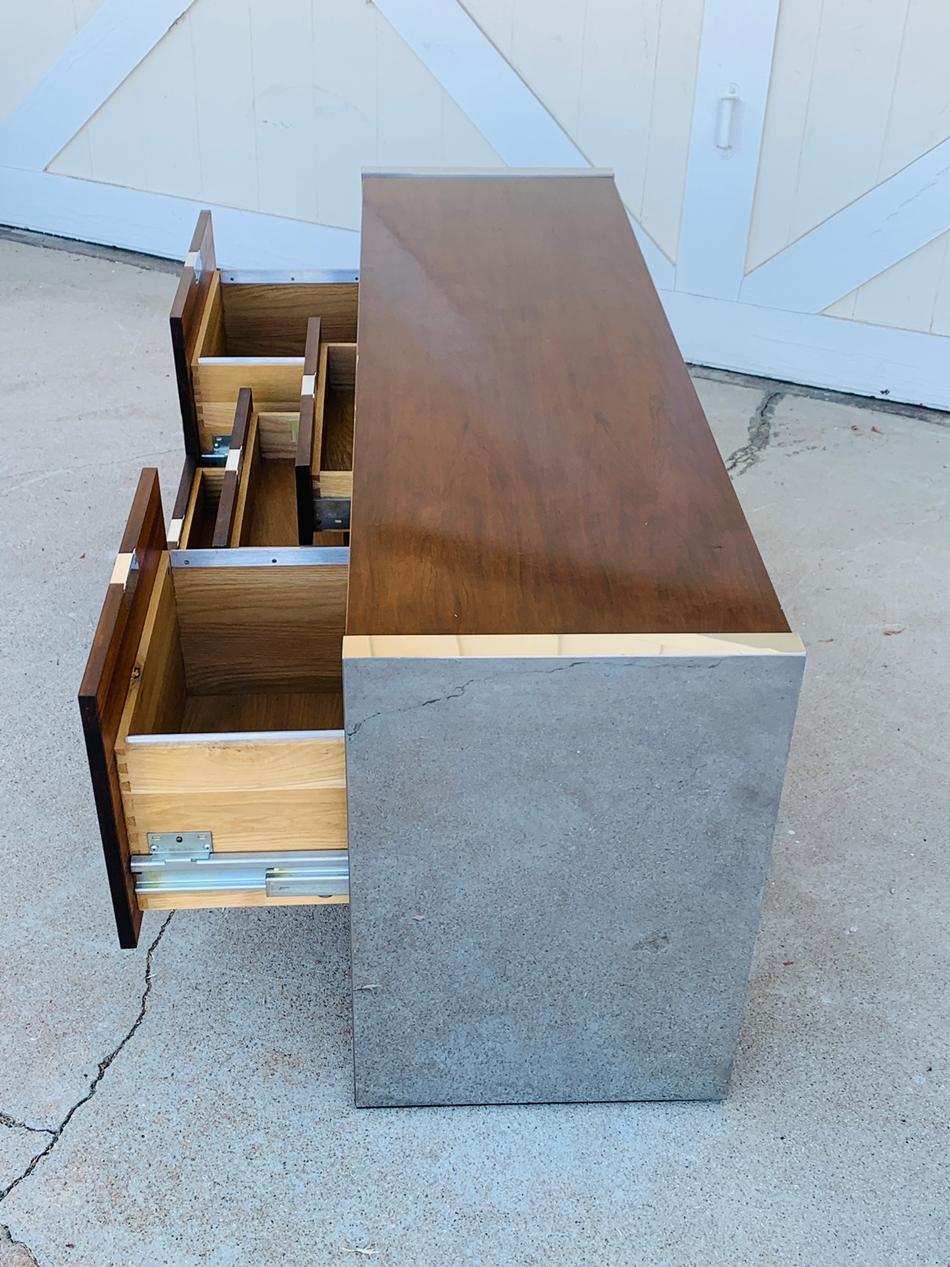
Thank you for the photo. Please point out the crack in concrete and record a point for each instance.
(355, 729)
(760, 434)
(15, 1124)
(57, 1133)
(874, 404)
(7, 1235)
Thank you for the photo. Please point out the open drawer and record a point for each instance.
(251, 499)
(213, 713)
(247, 329)
(325, 442)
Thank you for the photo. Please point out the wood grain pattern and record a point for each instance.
(336, 449)
(201, 509)
(205, 901)
(250, 794)
(530, 454)
(105, 683)
(262, 629)
(223, 714)
(270, 319)
(272, 512)
(156, 699)
(275, 384)
(184, 320)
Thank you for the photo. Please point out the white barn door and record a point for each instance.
(784, 163)
(814, 241)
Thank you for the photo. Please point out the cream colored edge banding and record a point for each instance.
(436, 646)
(233, 460)
(121, 569)
(308, 384)
(174, 532)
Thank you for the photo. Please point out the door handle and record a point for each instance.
(725, 118)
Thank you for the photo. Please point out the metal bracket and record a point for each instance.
(185, 846)
(331, 512)
(220, 447)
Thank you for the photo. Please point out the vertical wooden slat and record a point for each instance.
(224, 522)
(185, 319)
(306, 464)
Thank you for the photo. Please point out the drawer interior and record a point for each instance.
(252, 500)
(338, 375)
(325, 440)
(254, 335)
(233, 721)
(195, 523)
(258, 504)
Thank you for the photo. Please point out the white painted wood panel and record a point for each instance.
(910, 295)
(671, 114)
(858, 90)
(275, 106)
(619, 78)
(919, 116)
(33, 36)
(281, 34)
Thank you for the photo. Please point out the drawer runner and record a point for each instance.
(294, 873)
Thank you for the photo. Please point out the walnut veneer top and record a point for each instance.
(530, 455)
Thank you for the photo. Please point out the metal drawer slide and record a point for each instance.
(293, 873)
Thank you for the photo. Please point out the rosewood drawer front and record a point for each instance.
(212, 707)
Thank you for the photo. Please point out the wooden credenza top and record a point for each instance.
(530, 455)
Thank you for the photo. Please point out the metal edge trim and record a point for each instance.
(259, 556)
(281, 277)
(488, 172)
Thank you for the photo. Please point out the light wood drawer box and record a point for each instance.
(212, 708)
(247, 329)
(324, 457)
(250, 500)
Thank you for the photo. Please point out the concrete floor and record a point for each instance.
(191, 1102)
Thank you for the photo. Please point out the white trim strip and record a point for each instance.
(822, 351)
(732, 83)
(89, 70)
(159, 224)
(877, 230)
